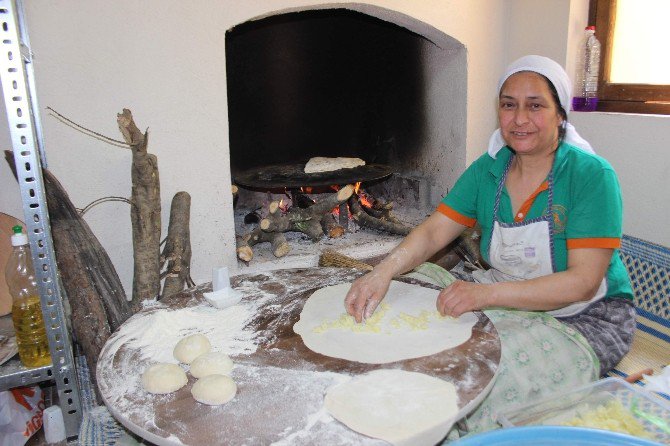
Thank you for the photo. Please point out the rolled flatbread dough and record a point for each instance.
(406, 325)
(324, 164)
(403, 408)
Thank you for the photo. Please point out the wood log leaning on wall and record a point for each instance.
(145, 217)
(177, 251)
(145, 214)
(97, 301)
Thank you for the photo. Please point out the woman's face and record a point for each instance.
(529, 117)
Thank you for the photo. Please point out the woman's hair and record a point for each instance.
(561, 110)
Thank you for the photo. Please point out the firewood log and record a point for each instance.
(364, 219)
(331, 227)
(280, 246)
(307, 221)
(145, 214)
(382, 211)
(177, 251)
(301, 200)
(343, 215)
(235, 191)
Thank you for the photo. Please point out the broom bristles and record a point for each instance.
(330, 257)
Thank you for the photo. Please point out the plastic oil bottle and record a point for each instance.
(31, 337)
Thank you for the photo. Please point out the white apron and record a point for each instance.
(524, 250)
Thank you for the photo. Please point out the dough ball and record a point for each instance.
(191, 347)
(213, 363)
(214, 390)
(163, 378)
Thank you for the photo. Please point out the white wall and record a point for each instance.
(637, 147)
(165, 60)
(529, 31)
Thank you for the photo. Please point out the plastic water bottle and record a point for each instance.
(586, 80)
(31, 337)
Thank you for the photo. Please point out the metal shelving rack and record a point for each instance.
(17, 77)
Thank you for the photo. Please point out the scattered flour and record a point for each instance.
(156, 334)
(151, 337)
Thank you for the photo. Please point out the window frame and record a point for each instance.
(624, 98)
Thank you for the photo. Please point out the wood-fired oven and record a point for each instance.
(341, 83)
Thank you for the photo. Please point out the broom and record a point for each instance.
(331, 257)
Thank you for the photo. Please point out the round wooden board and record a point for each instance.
(281, 385)
(6, 224)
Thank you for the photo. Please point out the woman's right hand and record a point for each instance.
(365, 294)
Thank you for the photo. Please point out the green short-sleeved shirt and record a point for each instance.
(587, 207)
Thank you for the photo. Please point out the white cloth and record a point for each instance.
(659, 383)
(559, 78)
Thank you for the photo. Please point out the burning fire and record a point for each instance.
(363, 198)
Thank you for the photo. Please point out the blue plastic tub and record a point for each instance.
(553, 436)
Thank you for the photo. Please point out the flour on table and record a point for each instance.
(325, 164)
(155, 334)
(406, 325)
(403, 408)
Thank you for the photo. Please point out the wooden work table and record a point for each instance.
(281, 385)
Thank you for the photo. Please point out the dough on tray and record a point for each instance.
(406, 325)
(214, 390)
(325, 164)
(212, 363)
(403, 408)
(191, 347)
(163, 378)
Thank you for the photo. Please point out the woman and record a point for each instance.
(551, 217)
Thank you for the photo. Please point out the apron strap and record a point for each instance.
(550, 192)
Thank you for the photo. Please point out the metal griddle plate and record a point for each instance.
(293, 175)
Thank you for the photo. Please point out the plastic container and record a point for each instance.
(610, 404)
(553, 436)
(585, 96)
(54, 426)
(31, 337)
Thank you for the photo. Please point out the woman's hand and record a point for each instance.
(365, 294)
(425, 240)
(461, 297)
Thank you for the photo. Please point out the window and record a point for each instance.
(628, 84)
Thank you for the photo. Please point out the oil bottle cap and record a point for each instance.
(19, 238)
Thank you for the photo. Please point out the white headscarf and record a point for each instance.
(557, 76)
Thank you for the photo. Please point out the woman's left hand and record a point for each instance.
(461, 297)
